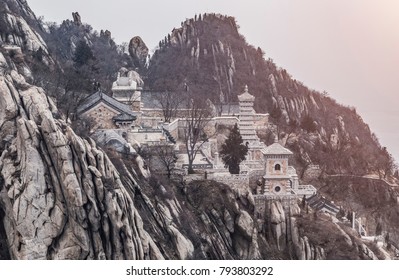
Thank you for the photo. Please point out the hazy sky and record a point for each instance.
(349, 48)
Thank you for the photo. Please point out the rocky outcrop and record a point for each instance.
(138, 50)
(285, 234)
(106, 34)
(76, 18)
(69, 204)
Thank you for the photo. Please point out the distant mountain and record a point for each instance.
(210, 56)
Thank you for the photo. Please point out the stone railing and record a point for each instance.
(228, 121)
(199, 166)
(305, 190)
(149, 130)
(271, 196)
(237, 181)
(171, 127)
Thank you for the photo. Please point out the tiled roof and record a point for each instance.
(246, 96)
(276, 149)
(124, 117)
(98, 97)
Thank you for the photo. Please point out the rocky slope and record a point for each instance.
(61, 197)
(208, 55)
(72, 203)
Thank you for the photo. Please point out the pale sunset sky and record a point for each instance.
(349, 48)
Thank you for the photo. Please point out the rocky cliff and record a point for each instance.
(60, 196)
(65, 197)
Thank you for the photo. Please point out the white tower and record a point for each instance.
(246, 124)
(277, 178)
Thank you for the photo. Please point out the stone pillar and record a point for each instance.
(360, 226)
(353, 219)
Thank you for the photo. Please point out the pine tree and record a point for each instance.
(233, 151)
(83, 54)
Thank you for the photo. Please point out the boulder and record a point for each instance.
(77, 19)
(138, 51)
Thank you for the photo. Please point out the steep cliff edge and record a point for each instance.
(61, 196)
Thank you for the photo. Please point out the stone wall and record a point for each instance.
(149, 122)
(272, 184)
(255, 177)
(173, 128)
(227, 121)
(102, 117)
(270, 165)
(235, 181)
(153, 112)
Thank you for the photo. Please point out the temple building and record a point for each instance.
(246, 124)
(278, 178)
(107, 112)
(247, 117)
(127, 89)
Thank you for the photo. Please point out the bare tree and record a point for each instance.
(169, 97)
(169, 102)
(198, 116)
(164, 155)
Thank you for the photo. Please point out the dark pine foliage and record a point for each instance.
(234, 151)
(83, 54)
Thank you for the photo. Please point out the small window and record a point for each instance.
(277, 189)
(277, 167)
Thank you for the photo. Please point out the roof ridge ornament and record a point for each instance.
(246, 88)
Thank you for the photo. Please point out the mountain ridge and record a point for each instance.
(218, 65)
(83, 201)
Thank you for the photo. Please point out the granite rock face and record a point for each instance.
(138, 50)
(77, 19)
(62, 197)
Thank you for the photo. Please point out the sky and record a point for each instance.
(349, 48)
